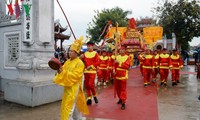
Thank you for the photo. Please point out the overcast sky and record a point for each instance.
(81, 12)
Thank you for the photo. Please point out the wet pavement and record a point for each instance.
(181, 102)
(173, 103)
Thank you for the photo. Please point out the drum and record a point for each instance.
(54, 64)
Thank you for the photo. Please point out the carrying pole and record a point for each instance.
(116, 38)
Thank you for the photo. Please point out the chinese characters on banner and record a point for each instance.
(26, 11)
(27, 5)
(152, 34)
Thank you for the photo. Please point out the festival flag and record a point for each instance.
(10, 9)
(27, 9)
(109, 25)
(17, 9)
(101, 43)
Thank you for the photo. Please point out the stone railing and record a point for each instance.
(9, 20)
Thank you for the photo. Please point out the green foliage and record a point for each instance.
(99, 21)
(182, 18)
(185, 46)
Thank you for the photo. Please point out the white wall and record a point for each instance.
(6, 72)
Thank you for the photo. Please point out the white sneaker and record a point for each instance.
(104, 84)
(98, 83)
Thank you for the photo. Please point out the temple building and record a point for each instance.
(26, 45)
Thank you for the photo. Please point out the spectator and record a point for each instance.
(195, 56)
(185, 56)
(136, 61)
(198, 54)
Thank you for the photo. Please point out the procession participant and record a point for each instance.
(70, 77)
(159, 51)
(109, 54)
(155, 66)
(91, 60)
(164, 64)
(112, 65)
(176, 64)
(140, 56)
(147, 67)
(122, 64)
(131, 59)
(103, 68)
(136, 61)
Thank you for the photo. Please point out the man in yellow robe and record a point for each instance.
(70, 77)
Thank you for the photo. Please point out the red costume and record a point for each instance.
(140, 56)
(91, 59)
(164, 63)
(103, 69)
(147, 68)
(155, 67)
(121, 76)
(176, 64)
(111, 66)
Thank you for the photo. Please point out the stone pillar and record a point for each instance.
(165, 41)
(173, 41)
(34, 84)
(2, 7)
(38, 40)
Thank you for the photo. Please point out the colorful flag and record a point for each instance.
(27, 9)
(17, 9)
(10, 9)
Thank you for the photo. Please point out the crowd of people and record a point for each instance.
(160, 62)
(110, 68)
(106, 66)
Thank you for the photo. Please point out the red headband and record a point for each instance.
(90, 44)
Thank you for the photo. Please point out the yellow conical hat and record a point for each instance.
(76, 46)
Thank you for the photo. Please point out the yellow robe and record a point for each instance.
(71, 79)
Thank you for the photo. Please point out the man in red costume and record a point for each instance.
(122, 64)
(176, 64)
(112, 65)
(147, 67)
(103, 68)
(140, 56)
(109, 67)
(91, 61)
(155, 65)
(164, 64)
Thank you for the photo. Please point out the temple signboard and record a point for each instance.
(152, 34)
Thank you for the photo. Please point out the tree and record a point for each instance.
(181, 18)
(101, 18)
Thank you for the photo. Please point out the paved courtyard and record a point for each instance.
(151, 103)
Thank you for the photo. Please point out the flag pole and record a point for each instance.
(67, 20)
(116, 38)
